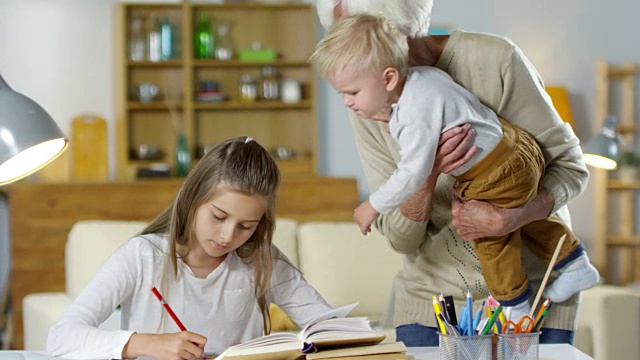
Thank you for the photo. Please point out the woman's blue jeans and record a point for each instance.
(420, 335)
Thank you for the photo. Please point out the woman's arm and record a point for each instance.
(526, 104)
(454, 149)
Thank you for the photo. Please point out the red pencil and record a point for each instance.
(168, 308)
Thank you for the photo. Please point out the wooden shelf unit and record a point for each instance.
(289, 28)
(617, 248)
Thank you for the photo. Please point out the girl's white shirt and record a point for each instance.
(222, 307)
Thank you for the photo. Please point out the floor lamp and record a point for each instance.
(29, 138)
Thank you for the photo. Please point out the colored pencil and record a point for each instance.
(491, 321)
(168, 308)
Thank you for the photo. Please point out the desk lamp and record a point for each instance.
(602, 151)
(29, 138)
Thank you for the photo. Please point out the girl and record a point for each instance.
(210, 255)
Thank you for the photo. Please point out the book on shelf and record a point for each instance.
(384, 351)
(329, 330)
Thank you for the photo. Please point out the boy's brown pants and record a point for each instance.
(508, 177)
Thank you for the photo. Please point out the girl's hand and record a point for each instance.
(172, 346)
(454, 149)
(364, 216)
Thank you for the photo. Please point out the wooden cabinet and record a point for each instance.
(288, 29)
(615, 202)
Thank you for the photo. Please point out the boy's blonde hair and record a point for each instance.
(361, 43)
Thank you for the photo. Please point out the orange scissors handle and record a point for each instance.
(524, 325)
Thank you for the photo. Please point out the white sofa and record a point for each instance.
(334, 257)
(344, 266)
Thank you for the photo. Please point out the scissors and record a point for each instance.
(525, 325)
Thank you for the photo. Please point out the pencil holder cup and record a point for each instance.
(465, 347)
(518, 346)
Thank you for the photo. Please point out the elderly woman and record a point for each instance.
(432, 227)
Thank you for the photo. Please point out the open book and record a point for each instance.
(329, 330)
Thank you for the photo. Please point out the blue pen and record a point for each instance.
(470, 312)
(476, 320)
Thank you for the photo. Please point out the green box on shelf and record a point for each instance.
(257, 55)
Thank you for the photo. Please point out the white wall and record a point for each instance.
(59, 52)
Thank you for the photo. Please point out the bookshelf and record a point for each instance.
(287, 28)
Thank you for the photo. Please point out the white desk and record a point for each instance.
(547, 352)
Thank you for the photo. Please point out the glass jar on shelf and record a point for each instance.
(137, 41)
(224, 48)
(269, 87)
(248, 89)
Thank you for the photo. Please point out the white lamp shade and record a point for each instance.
(29, 138)
(603, 150)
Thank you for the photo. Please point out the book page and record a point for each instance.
(339, 330)
(340, 312)
(271, 339)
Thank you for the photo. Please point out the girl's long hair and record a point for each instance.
(240, 164)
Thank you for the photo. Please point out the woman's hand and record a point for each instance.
(454, 149)
(172, 346)
(475, 219)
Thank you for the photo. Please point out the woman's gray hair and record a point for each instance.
(411, 17)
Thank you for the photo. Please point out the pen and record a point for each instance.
(443, 309)
(438, 311)
(476, 320)
(168, 308)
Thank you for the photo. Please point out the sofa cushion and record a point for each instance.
(346, 266)
(285, 239)
(89, 245)
(611, 315)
